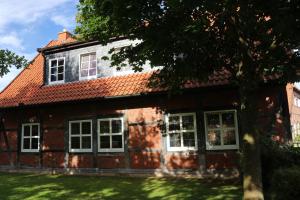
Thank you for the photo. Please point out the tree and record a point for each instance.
(9, 59)
(251, 39)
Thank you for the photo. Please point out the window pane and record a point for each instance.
(60, 77)
(229, 137)
(188, 122)
(93, 64)
(26, 130)
(53, 63)
(105, 142)
(213, 120)
(116, 126)
(61, 62)
(175, 140)
(35, 143)
(189, 139)
(92, 72)
(26, 143)
(84, 73)
(35, 130)
(104, 126)
(228, 119)
(93, 56)
(86, 142)
(85, 58)
(116, 141)
(53, 70)
(174, 123)
(75, 142)
(75, 128)
(85, 65)
(53, 78)
(86, 128)
(60, 69)
(214, 137)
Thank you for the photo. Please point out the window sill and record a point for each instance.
(182, 149)
(222, 148)
(80, 151)
(87, 78)
(56, 82)
(110, 150)
(30, 151)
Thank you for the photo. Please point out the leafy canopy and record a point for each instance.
(9, 59)
(251, 39)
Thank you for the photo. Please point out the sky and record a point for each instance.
(26, 25)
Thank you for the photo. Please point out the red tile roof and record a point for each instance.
(28, 87)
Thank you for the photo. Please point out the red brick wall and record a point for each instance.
(53, 139)
(111, 161)
(181, 161)
(145, 160)
(29, 159)
(4, 158)
(221, 160)
(143, 116)
(53, 159)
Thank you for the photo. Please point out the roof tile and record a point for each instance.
(28, 87)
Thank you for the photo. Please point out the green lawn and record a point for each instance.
(37, 187)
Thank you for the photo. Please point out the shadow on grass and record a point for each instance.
(44, 187)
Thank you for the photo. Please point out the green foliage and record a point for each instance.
(9, 59)
(276, 156)
(44, 187)
(285, 184)
(253, 40)
(192, 39)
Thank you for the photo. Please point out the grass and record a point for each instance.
(54, 187)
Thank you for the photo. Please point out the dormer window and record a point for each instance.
(57, 70)
(88, 66)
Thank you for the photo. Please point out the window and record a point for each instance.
(297, 101)
(80, 136)
(221, 130)
(88, 66)
(181, 132)
(31, 137)
(57, 70)
(110, 135)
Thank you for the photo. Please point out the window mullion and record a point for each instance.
(221, 129)
(181, 136)
(110, 133)
(56, 74)
(89, 62)
(30, 137)
(80, 136)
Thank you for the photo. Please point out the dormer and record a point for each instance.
(69, 60)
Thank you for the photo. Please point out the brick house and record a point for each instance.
(69, 111)
(293, 94)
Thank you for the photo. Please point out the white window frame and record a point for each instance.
(222, 146)
(30, 137)
(57, 82)
(80, 150)
(79, 71)
(110, 134)
(182, 148)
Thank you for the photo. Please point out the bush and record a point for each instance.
(285, 184)
(276, 156)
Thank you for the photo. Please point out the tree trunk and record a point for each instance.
(252, 177)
